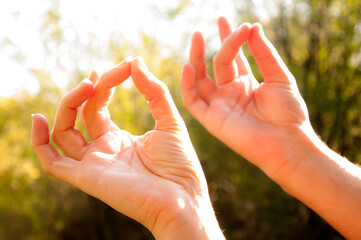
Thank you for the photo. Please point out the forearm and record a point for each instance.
(329, 184)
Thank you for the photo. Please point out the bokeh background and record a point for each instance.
(47, 47)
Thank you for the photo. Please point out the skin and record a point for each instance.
(246, 114)
(155, 179)
(236, 108)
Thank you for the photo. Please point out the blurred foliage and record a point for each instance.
(319, 40)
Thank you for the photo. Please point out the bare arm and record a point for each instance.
(268, 124)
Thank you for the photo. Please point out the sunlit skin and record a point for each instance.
(257, 120)
(155, 179)
(268, 124)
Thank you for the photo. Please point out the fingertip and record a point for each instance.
(222, 20)
(187, 84)
(187, 66)
(189, 69)
(257, 26)
(38, 120)
(79, 94)
(245, 27)
(257, 29)
(138, 66)
(197, 36)
(39, 130)
(127, 60)
(187, 75)
(86, 87)
(138, 60)
(143, 79)
(86, 81)
(125, 63)
(247, 24)
(93, 76)
(37, 116)
(197, 47)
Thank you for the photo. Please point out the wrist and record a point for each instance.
(307, 157)
(327, 183)
(192, 219)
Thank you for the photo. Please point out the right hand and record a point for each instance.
(263, 122)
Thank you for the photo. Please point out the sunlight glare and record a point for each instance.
(90, 24)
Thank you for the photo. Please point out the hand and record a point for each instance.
(268, 124)
(155, 179)
(257, 120)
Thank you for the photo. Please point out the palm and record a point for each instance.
(119, 163)
(277, 104)
(241, 112)
(253, 114)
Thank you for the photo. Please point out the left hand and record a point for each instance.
(155, 179)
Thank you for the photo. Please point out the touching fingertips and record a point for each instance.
(85, 86)
(79, 94)
(127, 59)
(246, 25)
(138, 63)
(245, 28)
(142, 64)
(85, 81)
(257, 29)
(93, 76)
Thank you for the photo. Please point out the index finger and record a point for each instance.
(224, 65)
(69, 139)
(95, 112)
(225, 29)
